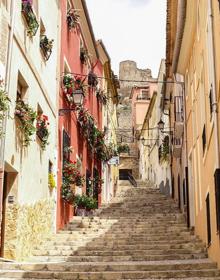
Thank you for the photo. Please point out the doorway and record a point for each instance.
(4, 197)
(124, 174)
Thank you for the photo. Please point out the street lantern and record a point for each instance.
(78, 97)
(142, 140)
(161, 125)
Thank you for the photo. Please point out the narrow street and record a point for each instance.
(109, 139)
(140, 235)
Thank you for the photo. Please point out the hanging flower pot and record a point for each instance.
(72, 19)
(92, 79)
(46, 46)
(30, 17)
(26, 116)
(84, 56)
(42, 130)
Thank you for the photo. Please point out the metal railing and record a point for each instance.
(132, 180)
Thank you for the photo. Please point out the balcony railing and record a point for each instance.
(30, 18)
(46, 46)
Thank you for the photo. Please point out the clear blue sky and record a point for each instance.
(131, 29)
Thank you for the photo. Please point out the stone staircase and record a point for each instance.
(140, 235)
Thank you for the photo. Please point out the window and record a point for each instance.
(211, 101)
(204, 139)
(66, 146)
(209, 234)
(217, 197)
(21, 88)
(144, 95)
(178, 108)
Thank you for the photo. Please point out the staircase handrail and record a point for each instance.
(132, 179)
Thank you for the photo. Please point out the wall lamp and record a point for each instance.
(147, 145)
(161, 127)
(77, 99)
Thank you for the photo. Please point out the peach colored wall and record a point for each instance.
(140, 107)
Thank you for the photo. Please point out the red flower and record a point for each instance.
(70, 91)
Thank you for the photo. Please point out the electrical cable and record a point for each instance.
(124, 80)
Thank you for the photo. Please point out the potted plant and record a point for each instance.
(102, 98)
(26, 116)
(164, 150)
(92, 204)
(67, 192)
(92, 79)
(4, 104)
(46, 46)
(84, 56)
(80, 202)
(123, 148)
(51, 181)
(72, 86)
(72, 19)
(72, 174)
(84, 205)
(42, 130)
(30, 17)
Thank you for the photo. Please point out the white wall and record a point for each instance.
(41, 77)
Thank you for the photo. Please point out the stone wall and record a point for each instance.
(26, 227)
(129, 71)
(127, 162)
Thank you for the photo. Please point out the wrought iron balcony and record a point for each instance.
(30, 18)
(46, 46)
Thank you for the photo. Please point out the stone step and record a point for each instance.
(127, 227)
(115, 252)
(191, 278)
(123, 247)
(140, 257)
(99, 242)
(112, 266)
(109, 275)
(145, 238)
(134, 232)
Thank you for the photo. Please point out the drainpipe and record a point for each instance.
(7, 79)
(213, 82)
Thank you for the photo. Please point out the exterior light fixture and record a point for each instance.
(78, 97)
(161, 125)
(78, 100)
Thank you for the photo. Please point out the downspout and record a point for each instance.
(7, 79)
(214, 79)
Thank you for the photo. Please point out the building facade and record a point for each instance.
(192, 57)
(83, 142)
(29, 148)
(155, 158)
(110, 124)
